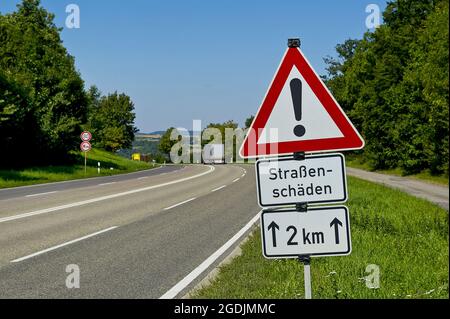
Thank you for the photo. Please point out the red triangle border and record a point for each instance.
(351, 139)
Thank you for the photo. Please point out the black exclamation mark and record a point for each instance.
(296, 93)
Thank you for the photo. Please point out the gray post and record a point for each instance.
(307, 275)
(306, 260)
(302, 207)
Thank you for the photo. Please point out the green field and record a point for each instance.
(405, 236)
(38, 175)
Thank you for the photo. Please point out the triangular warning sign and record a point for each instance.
(299, 114)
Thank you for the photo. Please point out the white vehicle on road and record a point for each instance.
(214, 154)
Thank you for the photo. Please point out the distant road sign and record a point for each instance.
(316, 179)
(86, 136)
(85, 146)
(323, 231)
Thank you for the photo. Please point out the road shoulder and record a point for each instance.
(432, 192)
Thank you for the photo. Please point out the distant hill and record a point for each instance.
(155, 133)
(152, 136)
(144, 143)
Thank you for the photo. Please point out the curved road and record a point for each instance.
(133, 237)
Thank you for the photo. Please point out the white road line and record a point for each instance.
(218, 188)
(184, 202)
(102, 198)
(144, 177)
(236, 180)
(62, 245)
(175, 290)
(103, 184)
(41, 194)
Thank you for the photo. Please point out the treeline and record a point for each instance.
(393, 84)
(43, 102)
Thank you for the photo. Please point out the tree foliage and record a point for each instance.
(111, 120)
(41, 91)
(394, 86)
(165, 143)
(43, 103)
(249, 121)
(206, 138)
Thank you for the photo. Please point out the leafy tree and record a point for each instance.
(424, 90)
(393, 84)
(112, 120)
(221, 128)
(165, 143)
(16, 119)
(249, 121)
(37, 69)
(94, 97)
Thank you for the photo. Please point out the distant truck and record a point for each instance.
(214, 154)
(140, 157)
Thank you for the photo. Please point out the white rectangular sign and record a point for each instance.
(323, 231)
(316, 179)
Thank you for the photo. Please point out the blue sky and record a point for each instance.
(206, 60)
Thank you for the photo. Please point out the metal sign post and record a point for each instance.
(305, 259)
(85, 147)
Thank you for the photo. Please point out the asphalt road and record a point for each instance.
(36, 190)
(154, 230)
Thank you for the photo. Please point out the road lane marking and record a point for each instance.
(147, 177)
(62, 245)
(218, 188)
(103, 184)
(236, 180)
(175, 290)
(41, 194)
(184, 202)
(102, 198)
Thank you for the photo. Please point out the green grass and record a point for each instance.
(38, 175)
(357, 162)
(405, 236)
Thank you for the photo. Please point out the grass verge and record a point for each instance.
(356, 161)
(405, 236)
(39, 175)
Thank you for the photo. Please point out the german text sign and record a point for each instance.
(323, 231)
(316, 179)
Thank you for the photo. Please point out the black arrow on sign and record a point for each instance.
(336, 223)
(273, 226)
